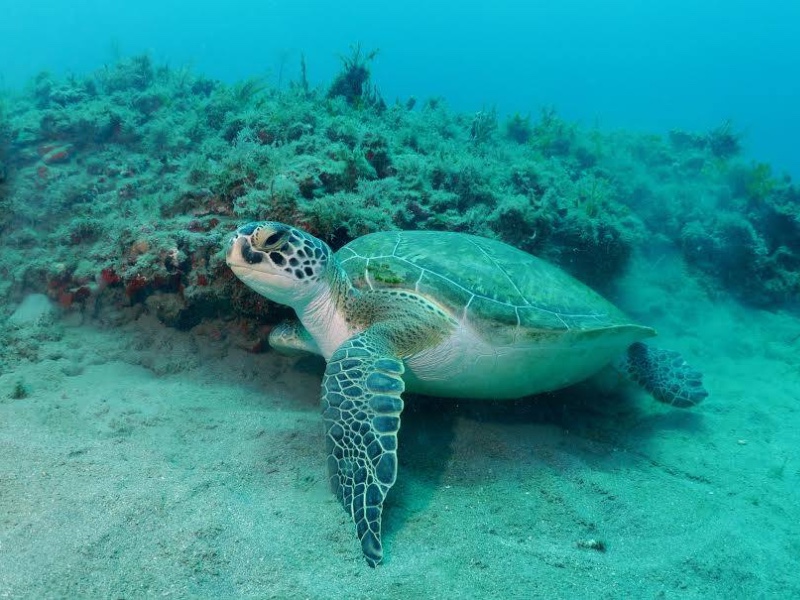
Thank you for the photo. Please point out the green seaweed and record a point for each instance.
(724, 142)
(5, 133)
(353, 81)
(483, 126)
(759, 183)
(519, 129)
(20, 390)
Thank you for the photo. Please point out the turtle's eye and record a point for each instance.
(273, 239)
(267, 238)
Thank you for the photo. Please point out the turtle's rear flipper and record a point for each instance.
(663, 373)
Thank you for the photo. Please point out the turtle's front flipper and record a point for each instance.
(292, 339)
(663, 373)
(361, 401)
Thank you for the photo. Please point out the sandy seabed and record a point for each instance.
(141, 461)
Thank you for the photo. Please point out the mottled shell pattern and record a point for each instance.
(500, 291)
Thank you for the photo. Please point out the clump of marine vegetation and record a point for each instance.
(5, 134)
(121, 187)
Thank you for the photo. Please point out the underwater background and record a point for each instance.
(151, 444)
(680, 64)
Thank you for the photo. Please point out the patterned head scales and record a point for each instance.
(278, 261)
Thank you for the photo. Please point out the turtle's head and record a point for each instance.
(278, 261)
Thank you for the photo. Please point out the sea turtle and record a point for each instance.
(439, 313)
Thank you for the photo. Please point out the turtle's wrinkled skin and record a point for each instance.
(438, 313)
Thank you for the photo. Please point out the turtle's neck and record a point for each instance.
(324, 316)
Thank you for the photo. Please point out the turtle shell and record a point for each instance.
(484, 282)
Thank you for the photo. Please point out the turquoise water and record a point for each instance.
(649, 67)
(154, 444)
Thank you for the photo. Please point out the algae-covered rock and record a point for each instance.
(128, 181)
(5, 132)
(752, 247)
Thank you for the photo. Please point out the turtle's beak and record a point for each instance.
(256, 270)
(241, 254)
